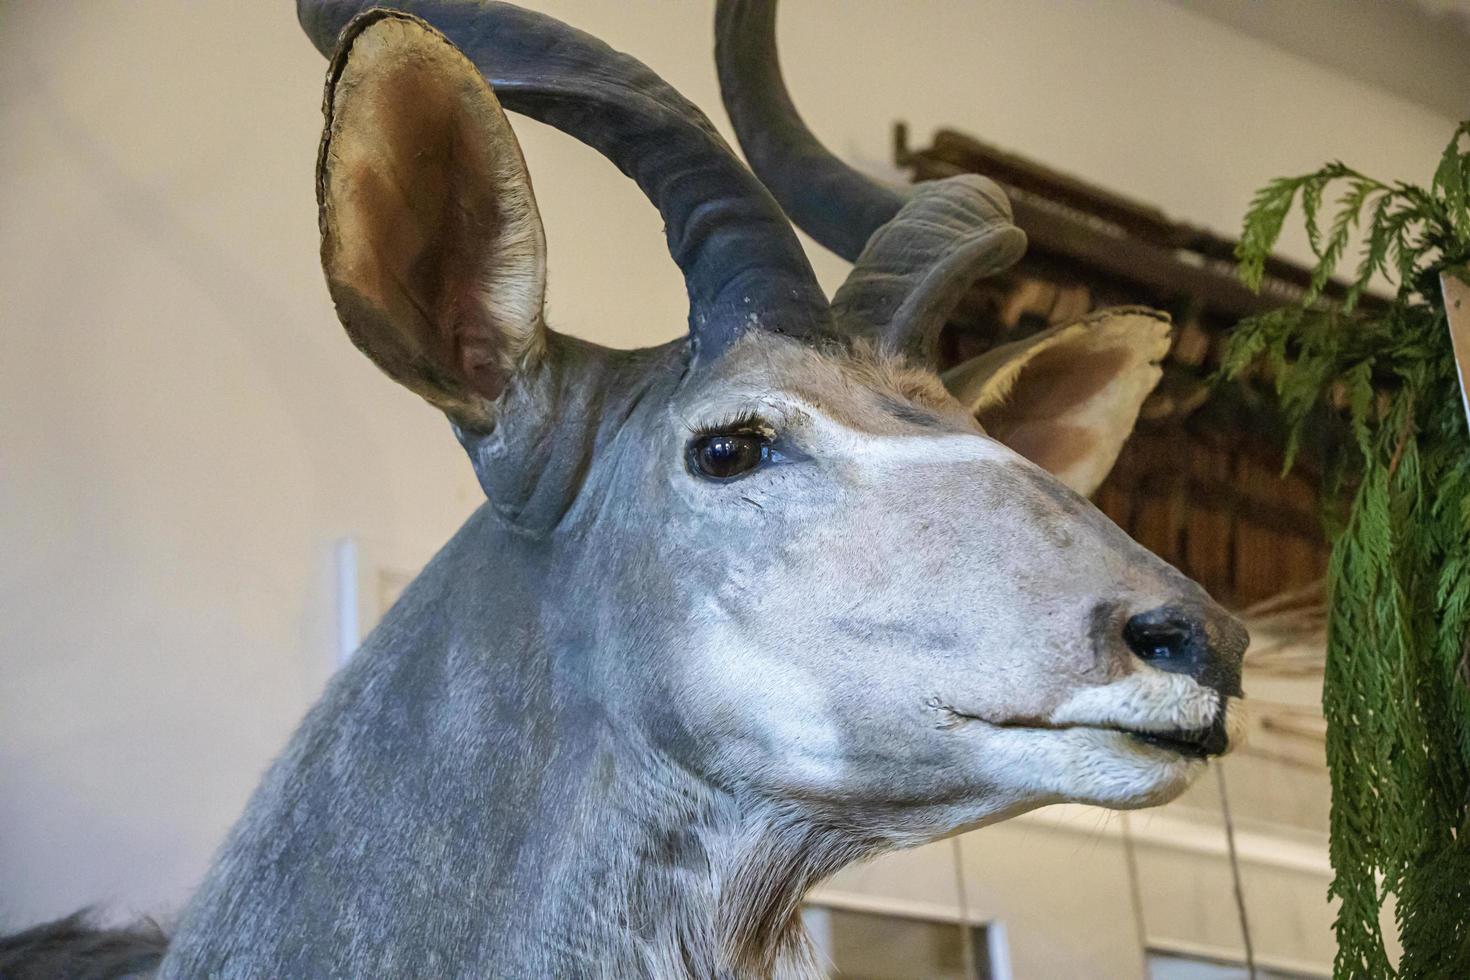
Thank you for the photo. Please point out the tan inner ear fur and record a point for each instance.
(1068, 398)
(432, 243)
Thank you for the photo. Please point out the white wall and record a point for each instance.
(184, 431)
(1056, 881)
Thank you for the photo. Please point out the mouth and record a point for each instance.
(1191, 743)
(1194, 743)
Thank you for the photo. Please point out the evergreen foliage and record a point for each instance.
(1397, 689)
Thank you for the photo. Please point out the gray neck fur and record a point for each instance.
(459, 804)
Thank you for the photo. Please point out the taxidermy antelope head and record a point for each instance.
(739, 609)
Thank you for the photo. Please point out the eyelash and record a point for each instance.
(746, 422)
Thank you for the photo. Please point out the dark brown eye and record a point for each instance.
(725, 455)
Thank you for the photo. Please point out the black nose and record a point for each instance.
(1205, 645)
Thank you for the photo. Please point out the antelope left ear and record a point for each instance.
(431, 240)
(1067, 398)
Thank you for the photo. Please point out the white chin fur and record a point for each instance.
(1109, 768)
(1117, 770)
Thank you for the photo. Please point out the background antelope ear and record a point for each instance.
(1068, 397)
(431, 241)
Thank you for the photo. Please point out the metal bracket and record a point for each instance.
(1455, 284)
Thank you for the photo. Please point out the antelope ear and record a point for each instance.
(1068, 397)
(431, 241)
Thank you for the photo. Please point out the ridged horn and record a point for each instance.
(917, 267)
(916, 251)
(743, 266)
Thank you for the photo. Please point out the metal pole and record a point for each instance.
(967, 944)
(1135, 889)
(1245, 926)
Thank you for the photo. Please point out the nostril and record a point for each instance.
(1202, 641)
(1165, 636)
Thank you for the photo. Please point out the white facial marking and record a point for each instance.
(1148, 700)
(878, 454)
(783, 706)
(901, 450)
